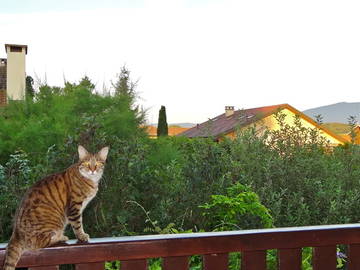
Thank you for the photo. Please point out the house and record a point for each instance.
(172, 131)
(12, 73)
(226, 124)
(355, 133)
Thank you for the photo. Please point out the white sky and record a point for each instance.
(195, 57)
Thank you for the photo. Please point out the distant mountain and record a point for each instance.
(184, 125)
(338, 112)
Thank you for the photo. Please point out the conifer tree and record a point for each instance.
(162, 128)
(125, 88)
(29, 88)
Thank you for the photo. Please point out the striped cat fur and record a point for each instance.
(54, 202)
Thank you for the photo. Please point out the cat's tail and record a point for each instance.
(13, 253)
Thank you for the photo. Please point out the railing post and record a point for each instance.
(134, 265)
(253, 260)
(50, 267)
(289, 259)
(216, 261)
(90, 266)
(176, 263)
(324, 258)
(354, 257)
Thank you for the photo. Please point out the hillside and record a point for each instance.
(336, 113)
(338, 128)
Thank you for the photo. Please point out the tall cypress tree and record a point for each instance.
(162, 128)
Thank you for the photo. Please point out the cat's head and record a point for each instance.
(91, 165)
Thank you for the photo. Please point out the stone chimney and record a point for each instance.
(229, 111)
(15, 77)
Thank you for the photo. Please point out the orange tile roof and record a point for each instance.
(176, 130)
(347, 137)
(221, 124)
(172, 131)
(151, 130)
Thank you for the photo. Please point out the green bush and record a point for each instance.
(39, 136)
(239, 209)
(61, 116)
(291, 172)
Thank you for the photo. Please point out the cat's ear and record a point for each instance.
(83, 153)
(103, 153)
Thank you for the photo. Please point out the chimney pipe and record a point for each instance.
(229, 111)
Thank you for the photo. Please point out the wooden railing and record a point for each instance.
(175, 250)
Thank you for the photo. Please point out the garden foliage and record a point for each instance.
(288, 177)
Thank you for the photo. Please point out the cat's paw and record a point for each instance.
(83, 238)
(63, 238)
(58, 240)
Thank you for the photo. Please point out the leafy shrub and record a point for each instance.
(14, 180)
(237, 210)
(59, 116)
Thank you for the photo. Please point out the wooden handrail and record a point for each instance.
(251, 242)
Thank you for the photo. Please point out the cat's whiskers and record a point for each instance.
(95, 176)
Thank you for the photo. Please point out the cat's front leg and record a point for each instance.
(77, 226)
(75, 220)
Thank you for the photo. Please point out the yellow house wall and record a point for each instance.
(271, 123)
(357, 136)
(15, 83)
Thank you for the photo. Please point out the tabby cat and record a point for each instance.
(52, 203)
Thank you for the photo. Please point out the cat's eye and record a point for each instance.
(86, 163)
